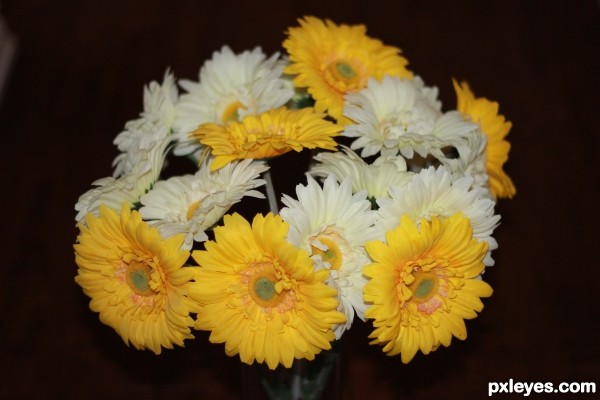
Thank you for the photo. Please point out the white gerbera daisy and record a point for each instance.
(191, 204)
(155, 123)
(453, 130)
(141, 143)
(159, 103)
(471, 161)
(376, 178)
(391, 116)
(436, 193)
(113, 192)
(333, 225)
(430, 93)
(230, 87)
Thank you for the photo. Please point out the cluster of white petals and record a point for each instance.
(155, 124)
(333, 225)
(230, 86)
(438, 193)
(190, 204)
(129, 188)
(393, 116)
(376, 178)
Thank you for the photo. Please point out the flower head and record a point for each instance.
(127, 188)
(260, 295)
(393, 115)
(376, 178)
(154, 125)
(269, 134)
(191, 204)
(495, 127)
(332, 60)
(437, 193)
(469, 144)
(333, 225)
(136, 280)
(230, 87)
(423, 285)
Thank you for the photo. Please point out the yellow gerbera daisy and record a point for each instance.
(135, 279)
(495, 127)
(269, 134)
(331, 60)
(260, 294)
(423, 284)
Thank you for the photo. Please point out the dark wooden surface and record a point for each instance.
(79, 76)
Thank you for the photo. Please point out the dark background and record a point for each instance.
(79, 76)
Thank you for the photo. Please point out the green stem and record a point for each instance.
(271, 192)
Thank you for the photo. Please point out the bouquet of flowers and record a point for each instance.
(393, 224)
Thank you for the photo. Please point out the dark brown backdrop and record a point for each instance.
(79, 76)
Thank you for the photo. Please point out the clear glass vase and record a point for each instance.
(305, 380)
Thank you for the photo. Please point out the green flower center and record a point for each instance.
(424, 288)
(264, 288)
(333, 254)
(269, 286)
(140, 280)
(139, 277)
(345, 75)
(328, 255)
(345, 70)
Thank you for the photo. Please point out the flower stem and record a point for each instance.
(297, 380)
(271, 192)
